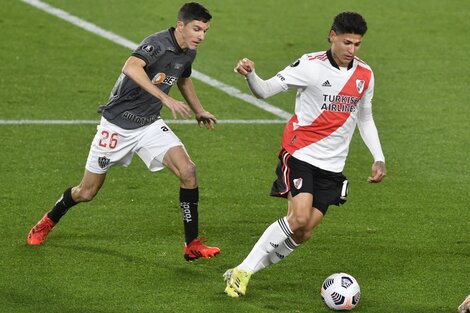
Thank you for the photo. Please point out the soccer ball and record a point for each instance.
(340, 292)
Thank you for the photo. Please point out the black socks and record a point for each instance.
(62, 206)
(189, 199)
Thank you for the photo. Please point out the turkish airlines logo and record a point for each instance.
(360, 85)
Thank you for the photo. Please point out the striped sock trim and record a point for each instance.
(291, 244)
(285, 226)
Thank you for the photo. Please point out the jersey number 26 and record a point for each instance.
(107, 140)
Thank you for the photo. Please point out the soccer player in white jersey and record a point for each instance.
(131, 124)
(334, 94)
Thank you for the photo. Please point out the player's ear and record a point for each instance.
(179, 26)
(331, 36)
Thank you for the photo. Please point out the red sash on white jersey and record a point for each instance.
(328, 121)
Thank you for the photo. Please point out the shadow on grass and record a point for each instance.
(101, 251)
(15, 300)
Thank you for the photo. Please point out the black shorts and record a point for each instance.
(296, 176)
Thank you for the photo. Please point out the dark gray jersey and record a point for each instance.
(131, 107)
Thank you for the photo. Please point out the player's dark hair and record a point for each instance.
(193, 11)
(349, 23)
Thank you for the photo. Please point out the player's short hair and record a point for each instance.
(349, 23)
(193, 11)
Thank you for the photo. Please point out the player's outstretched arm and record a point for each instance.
(260, 88)
(186, 87)
(134, 69)
(244, 67)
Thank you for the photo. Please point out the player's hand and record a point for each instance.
(207, 119)
(465, 306)
(378, 172)
(177, 107)
(244, 67)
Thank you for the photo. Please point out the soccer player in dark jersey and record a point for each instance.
(131, 124)
(334, 94)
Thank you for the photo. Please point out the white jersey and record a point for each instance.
(327, 105)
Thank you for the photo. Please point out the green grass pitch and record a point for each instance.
(406, 240)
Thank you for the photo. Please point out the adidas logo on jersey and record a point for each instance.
(326, 84)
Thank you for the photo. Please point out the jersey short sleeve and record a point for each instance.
(295, 75)
(187, 71)
(149, 50)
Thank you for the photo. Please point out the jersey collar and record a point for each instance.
(171, 30)
(333, 63)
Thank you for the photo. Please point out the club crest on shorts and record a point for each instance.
(298, 183)
(103, 161)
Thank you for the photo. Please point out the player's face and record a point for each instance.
(344, 47)
(190, 35)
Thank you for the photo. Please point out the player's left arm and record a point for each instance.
(370, 135)
(186, 87)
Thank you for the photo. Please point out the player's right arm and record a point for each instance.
(134, 69)
(260, 88)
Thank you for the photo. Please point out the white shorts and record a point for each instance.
(113, 145)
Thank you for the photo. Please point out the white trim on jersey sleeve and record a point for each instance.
(366, 124)
(263, 88)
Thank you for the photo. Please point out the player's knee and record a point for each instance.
(188, 174)
(298, 222)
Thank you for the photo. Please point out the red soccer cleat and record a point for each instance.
(196, 249)
(39, 232)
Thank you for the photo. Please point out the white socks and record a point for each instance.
(282, 251)
(277, 255)
(272, 247)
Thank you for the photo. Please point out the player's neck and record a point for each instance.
(180, 40)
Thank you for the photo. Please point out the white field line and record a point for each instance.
(96, 122)
(234, 92)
